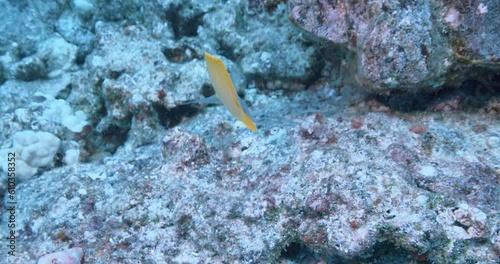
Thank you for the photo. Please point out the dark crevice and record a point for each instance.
(58, 159)
(180, 54)
(105, 142)
(100, 106)
(207, 90)
(298, 252)
(387, 252)
(64, 93)
(381, 252)
(183, 25)
(80, 57)
(472, 94)
(292, 251)
(114, 136)
(115, 74)
(226, 50)
(172, 117)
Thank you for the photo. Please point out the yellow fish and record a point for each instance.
(224, 90)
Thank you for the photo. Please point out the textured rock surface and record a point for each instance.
(406, 45)
(268, 46)
(24, 26)
(341, 182)
(330, 176)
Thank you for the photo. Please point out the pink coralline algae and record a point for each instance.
(188, 149)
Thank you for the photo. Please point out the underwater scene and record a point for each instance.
(249, 131)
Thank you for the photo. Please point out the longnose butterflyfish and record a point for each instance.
(224, 90)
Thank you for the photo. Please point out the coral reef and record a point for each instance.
(309, 178)
(118, 165)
